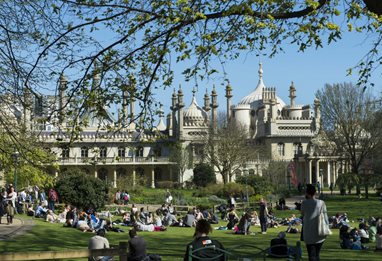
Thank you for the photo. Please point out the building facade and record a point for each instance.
(286, 132)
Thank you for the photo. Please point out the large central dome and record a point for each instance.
(254, 99)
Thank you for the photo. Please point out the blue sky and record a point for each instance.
(309, 71)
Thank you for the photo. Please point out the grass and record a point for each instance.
(172, 243)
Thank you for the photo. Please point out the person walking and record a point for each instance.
(310, 210)
(263, 216)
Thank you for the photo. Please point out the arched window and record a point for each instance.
(281, 149)
(121, 173)
(84, 152)
(139, 151)
(121, 152)
(103, 152)
(65, 153)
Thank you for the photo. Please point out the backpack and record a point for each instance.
(126, 197)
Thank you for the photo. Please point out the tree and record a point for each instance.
(347, 181)
(204, 175)
(140, 41)
(181, 156)
(228, 150)
(81, 190)
(350, 119)
(21, 154)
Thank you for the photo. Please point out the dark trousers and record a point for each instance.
(51, 205)
(263, 224)
(314, 251)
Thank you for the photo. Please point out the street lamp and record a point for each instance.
(15, 156)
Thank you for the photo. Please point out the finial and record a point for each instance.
(260, 70)
(180, 89)
(193, 92)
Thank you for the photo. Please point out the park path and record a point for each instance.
(19, 227)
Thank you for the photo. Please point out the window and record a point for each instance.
(157, 152)
(297, 148)
(121, 152)
(139, 151)
(65, 152)
(84, 152)
(102, 152)
(281, 149)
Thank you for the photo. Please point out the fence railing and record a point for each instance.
(120, 251)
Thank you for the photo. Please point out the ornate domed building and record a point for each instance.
(285, 132)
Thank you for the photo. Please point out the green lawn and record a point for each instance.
(171, 244)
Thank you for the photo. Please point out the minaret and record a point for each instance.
(173, 108)
(228, 95)
(27, 110)
(206, 106)
(273, 102)
(180, 112)
(132, 103)
(161, 125)
(96, 76)
(63, 82)
(292, 95)
(317, 114)
(214, 113)
(123, 119)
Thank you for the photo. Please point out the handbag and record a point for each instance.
(323, 225)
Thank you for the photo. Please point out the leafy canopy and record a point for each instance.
(138, 43)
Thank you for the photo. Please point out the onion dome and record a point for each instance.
(254, 99)
(194, 115)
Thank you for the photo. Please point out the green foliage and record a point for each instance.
(166, 184)
(204, 174)
(82, 190)
(347, 181)
(225, 190)
(260, 184)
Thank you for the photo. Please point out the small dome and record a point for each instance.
(194, 114)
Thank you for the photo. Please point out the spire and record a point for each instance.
(292, 94)
(180, 97)
(206, 101)
(96, 75)
(260, 71)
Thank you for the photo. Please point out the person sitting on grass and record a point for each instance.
(40, 211)
(378, 239)
(279, 246)
(244, 224)
(363, 233)
(232, 218)
(51, 217)
(99, 241)
(201, 240)
(137, 247)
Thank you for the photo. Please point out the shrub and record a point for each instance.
(166, 184)
(204, 174)
(260, 184)
(82, 190)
